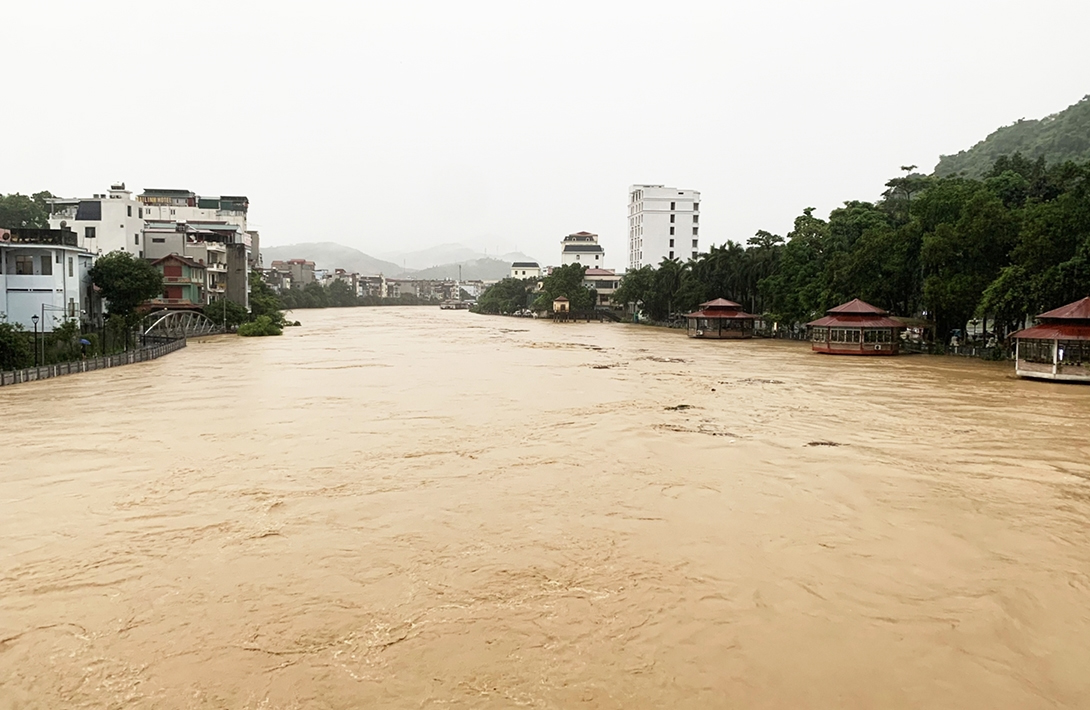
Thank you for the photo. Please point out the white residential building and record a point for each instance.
(663, 223)
(44, 278)
(582, 248)
(103, 223)
(525, 270)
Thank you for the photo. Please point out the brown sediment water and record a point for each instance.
(409, 507)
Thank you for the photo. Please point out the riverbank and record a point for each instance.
(44, 372)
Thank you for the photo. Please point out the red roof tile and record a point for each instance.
(1055, 331)
(856, 306)
(1079, 310)
(722, 303)
(855, 320)
(722, 314)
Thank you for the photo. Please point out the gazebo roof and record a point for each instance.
(1070, 322)
(559, 298)
(720, 303)
(1079, 310)
(855, 306)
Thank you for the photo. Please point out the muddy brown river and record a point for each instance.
(415, 508)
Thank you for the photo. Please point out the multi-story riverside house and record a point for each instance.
(206, 247)
(44, 275)
(663, 223)
(582, 248)
(604, 281)
(184, 282)
(111, 221)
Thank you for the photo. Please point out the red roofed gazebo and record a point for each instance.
(720, 319)
(856, 328)
(1058, 347)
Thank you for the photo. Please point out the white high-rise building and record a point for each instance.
(663, 223)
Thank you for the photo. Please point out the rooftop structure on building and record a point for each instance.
(1058, 346)
(582, 248)
(663, 223)
(856, 328)
(720, 319)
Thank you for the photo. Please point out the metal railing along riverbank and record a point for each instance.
(143, 354)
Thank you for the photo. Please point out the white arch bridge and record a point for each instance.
(178, 324)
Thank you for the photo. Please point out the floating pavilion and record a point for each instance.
(856, 328)
(720, 319)
(1058, 347)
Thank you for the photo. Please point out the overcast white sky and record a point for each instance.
(400, 125)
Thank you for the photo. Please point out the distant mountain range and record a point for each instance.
(440, 262)
(1057, 138)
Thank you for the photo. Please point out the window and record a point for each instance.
(696, 230)
(672, 218)
(47, 265)
(694, 254)
(137, 238)
(158, 240)
(671, 255)
(71, 267)
(696, 207)
(88, 232)
(71, 307)
(24, 265)
(696, 218)
(671, 230)
(695, 242)
(1073, 353)
(140, 212)
(819, 335)
(673, 205)
(671, 243)
(58, 257)
(129, 208)
(1033, 350)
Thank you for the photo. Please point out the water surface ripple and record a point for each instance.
(394, 507)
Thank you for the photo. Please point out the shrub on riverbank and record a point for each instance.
(262, 325)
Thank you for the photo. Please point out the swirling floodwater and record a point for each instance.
(416, 508)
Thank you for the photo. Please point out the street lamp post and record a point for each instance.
(34, 319)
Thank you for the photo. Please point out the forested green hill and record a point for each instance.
(1057, 138)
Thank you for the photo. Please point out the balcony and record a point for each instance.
(183, 280)
(216, 266)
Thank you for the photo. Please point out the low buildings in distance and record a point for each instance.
(525, 270)
(663, 223)
(1058, 347)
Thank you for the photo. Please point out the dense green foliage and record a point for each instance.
(1061, 137)
(226, 313)
(126, 282)
(1004, 247)
(262, 325)
(19, 211)
(505, 297)
(16, 346)
(566, 281)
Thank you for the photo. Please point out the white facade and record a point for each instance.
(582, 248)
(663, 223)
(525, 270)
(113, 221)
(45, 276)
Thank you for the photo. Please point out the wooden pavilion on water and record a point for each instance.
(720, 319)
(856, 328)
(1058, 347)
